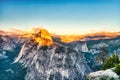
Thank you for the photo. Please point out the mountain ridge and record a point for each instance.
(63, 38)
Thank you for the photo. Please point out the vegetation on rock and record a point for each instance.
(111, 62)
(117, 69)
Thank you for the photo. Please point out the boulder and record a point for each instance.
(103, 75)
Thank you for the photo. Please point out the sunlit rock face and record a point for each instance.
(42, 37)
(51, 62)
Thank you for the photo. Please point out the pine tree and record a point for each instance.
(111, 62)
(104, 52)
(117, 69)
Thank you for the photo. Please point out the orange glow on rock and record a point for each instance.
(42, 37)
(70, 38)
(107, 35)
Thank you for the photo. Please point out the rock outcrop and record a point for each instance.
(103, 75)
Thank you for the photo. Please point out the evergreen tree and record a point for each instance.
(117, 69)
(104, 53)
(111, 62)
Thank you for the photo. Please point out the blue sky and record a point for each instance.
(61, 16)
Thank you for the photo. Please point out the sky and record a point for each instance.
(61, 16)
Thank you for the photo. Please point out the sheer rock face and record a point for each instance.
(42, 37)
(47, 61)
(55, 62)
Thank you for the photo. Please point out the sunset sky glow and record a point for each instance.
(61, 16)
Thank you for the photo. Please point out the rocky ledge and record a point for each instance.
(108, 74)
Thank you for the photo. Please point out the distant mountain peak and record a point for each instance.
(42, 37)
